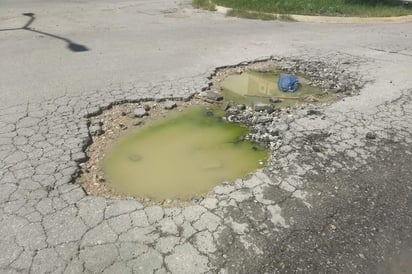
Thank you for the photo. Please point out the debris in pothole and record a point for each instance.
(288, 83)
(140, 112)
(371, 135)
(211, 96)
(169, 104)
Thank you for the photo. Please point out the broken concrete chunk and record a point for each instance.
(169, 105)
(211, 96)
(263, 107)
(140, 112)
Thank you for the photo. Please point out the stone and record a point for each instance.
(279, 129)
(313, 112)
(139, 112)
(264, 119)
(263, 107)
(371, 135)
(232, 111)
(211, 96)
(169, 105)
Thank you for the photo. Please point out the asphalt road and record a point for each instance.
(344, 207)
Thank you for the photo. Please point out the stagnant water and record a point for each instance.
(252, 87)
(182, 156)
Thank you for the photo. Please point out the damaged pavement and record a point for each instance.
(335, 196)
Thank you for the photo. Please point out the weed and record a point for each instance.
(363, 8)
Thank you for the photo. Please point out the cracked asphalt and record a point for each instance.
(335, 197)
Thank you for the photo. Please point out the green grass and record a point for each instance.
(204, 4)
(363, 8)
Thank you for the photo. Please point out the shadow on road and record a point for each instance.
(70, 44)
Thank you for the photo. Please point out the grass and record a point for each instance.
(204, 4)
(362, 8)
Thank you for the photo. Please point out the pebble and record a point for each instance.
(371, 135)
(169, 105)
(139, 112)
(211, 96)
(138, 123)
(263, 107)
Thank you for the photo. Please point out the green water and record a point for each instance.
(253, 87)
(181, 157)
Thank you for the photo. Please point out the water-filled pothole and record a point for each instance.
(166, 157)
(182, 156)
(135, 153)
(252, 87)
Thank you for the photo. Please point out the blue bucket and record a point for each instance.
(288, 83)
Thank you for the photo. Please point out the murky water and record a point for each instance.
(182, 156)
(251, 87)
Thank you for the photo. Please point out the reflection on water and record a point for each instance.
(251, 83)
(181, 157)
(252, 86)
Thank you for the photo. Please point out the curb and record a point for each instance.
(334, 19)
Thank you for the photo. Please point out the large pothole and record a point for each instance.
(194, 149)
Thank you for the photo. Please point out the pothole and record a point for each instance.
(253, 86)
(182, 156)
(175, 152)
